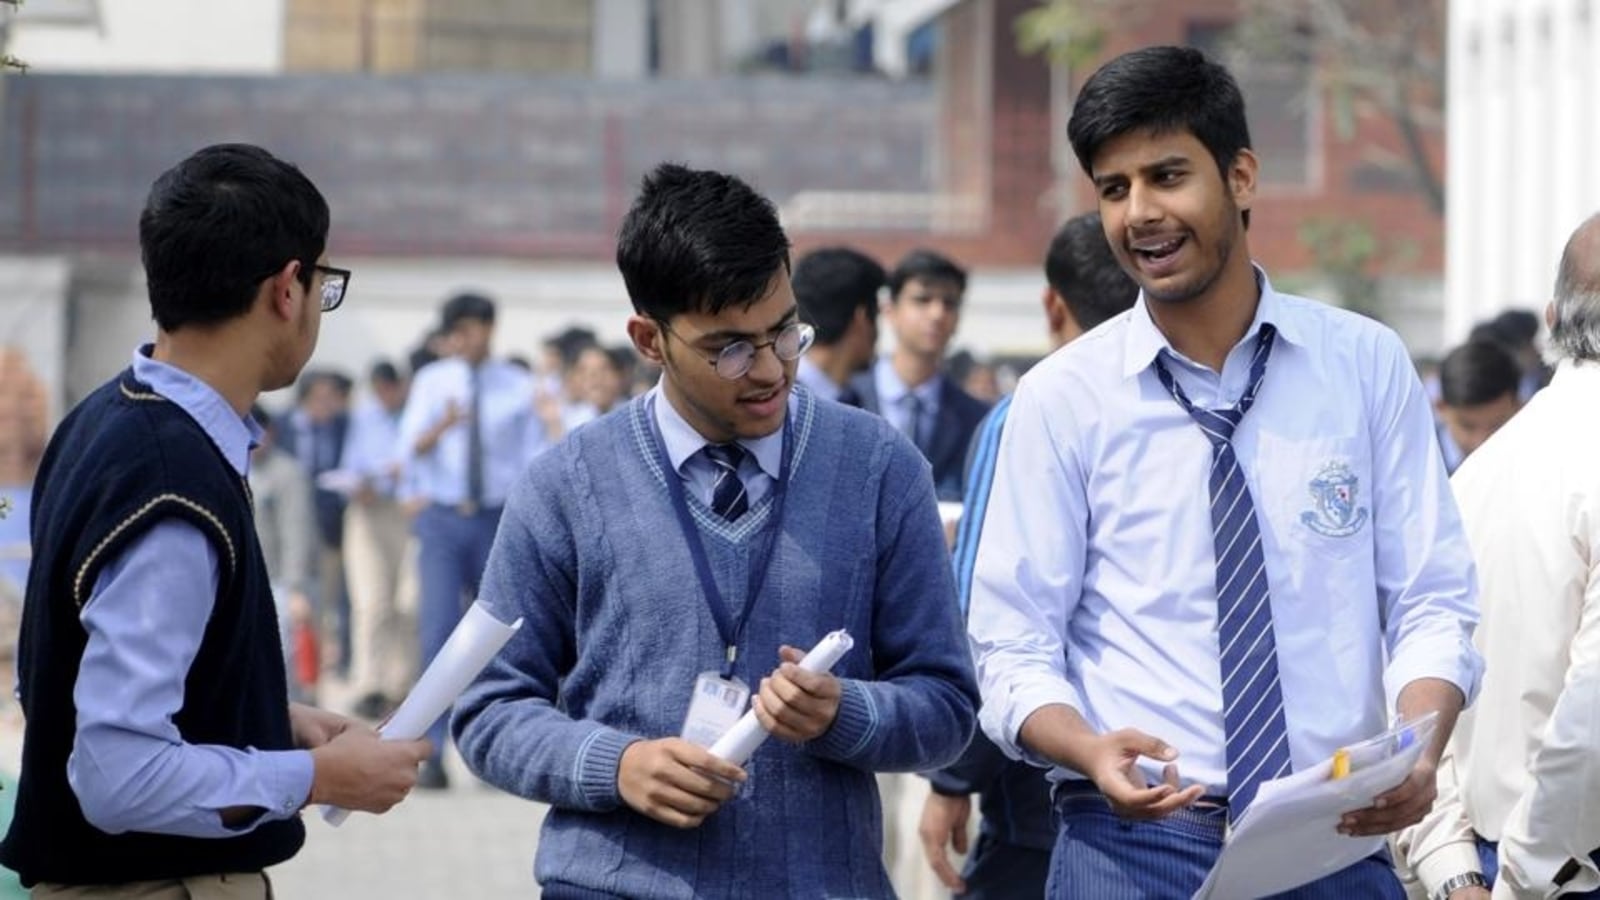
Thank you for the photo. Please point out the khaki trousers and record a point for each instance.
(234, 886)
(380, 571)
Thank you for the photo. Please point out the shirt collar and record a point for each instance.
(1144, 340)
(683, 442)
(816, 380)
(232, 434)
(892, 391)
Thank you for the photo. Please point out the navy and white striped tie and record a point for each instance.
(728, 498)
(1253, 721)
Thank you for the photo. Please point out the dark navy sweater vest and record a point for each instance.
(123, 460)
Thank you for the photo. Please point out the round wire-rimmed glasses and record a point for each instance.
(734, 360)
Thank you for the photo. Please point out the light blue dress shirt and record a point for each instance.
(512, 433)
(759, 470)
(372, 448)
(1094, 584)
(145, 619)
(817, 381)
(892, 403)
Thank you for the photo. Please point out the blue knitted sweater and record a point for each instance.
(590, 554)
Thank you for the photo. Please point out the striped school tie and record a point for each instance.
(1253, 721)
(728, 498)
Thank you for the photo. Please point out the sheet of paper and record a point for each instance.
(475, 641)
(741, 741)
(340, 481)
(949, 512)
(1289, 835)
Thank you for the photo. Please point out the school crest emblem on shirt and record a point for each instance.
(1334, 512)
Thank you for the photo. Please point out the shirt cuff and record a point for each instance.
(853, 725)
(596, 767)
(1449, 659)
(1003, 722)
(1527, 873)
(286, 777)
(1446, 862)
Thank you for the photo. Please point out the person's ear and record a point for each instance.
(647, 338)
(1242, 175)
(280, 290)
(1055, 311)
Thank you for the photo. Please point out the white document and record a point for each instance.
(475, 641)
(741, 741)
(949, 512)
(340, 481)
(1289, 835)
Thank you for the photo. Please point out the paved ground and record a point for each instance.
(470, 842)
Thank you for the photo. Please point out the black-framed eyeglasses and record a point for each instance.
(734, 361)
(335, 282)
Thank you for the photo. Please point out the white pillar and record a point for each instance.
(621, 38)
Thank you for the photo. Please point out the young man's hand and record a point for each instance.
(794, 704)
(361, 771)
(675, 782)
(313, 727)
(944, 823)
(1115, 771)
(1398, 808)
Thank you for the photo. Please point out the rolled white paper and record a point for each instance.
(741, 741)
(475, 641)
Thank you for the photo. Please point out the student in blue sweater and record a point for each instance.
(705, 532)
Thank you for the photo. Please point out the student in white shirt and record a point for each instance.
(1519, 790)
(1161, 664)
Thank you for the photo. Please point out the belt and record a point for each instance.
(1206, 818)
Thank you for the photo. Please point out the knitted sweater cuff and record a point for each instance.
(853, 727)
(598, 761)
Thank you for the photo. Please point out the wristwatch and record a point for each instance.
(1456, 883)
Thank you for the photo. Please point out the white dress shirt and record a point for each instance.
(808, 374)
(759, 470)
(512, 434)
(373, 449)
(1094, 584)
(894, 403)
(1524, 765)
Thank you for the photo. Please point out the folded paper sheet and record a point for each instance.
(1289, 836)
(477, 638)
(746, 735)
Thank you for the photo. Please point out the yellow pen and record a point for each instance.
(1341, 764)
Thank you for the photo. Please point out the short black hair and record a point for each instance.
(1478, 372)
(571, 343)
(623, 359)
(1081, 268)
(339, 381)
(1161, 90)
(1518, 326)
(464, 306)
(1164, 90)
(698, 241)
(383, 371)
(419, 357)
(830, 284)
(925, 265)
(218, 224)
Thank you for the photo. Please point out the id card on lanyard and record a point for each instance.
(719, 699)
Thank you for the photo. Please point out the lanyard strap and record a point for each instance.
(730, 629)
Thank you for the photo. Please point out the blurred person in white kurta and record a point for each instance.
(1519, 789)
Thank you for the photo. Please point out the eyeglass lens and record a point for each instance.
(737, 358)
